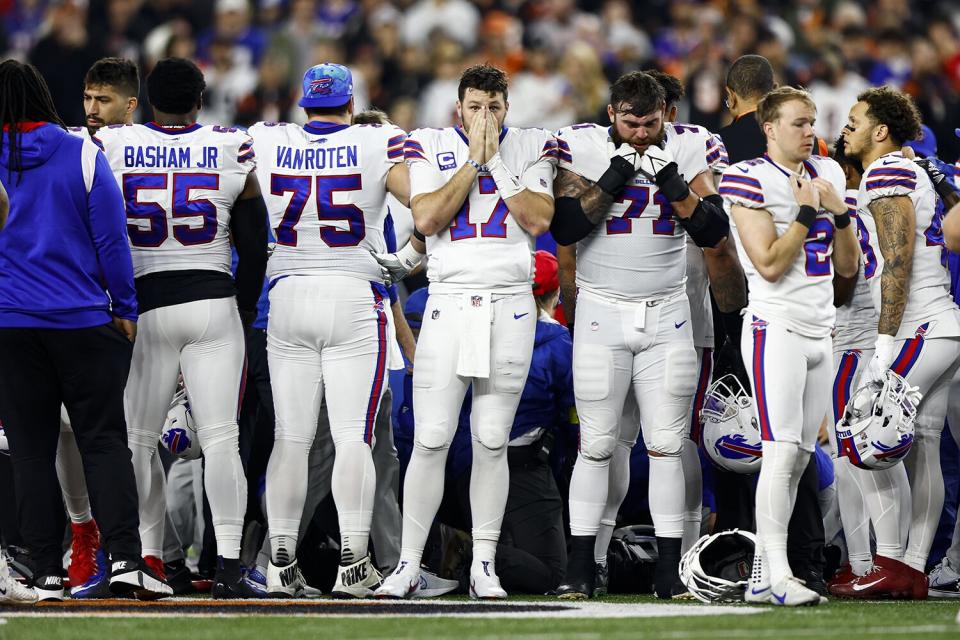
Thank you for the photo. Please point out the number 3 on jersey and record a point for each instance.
(494, 227)
(327, 211)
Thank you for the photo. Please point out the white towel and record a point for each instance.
(474, 358)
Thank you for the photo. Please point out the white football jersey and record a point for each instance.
(325, 189)
(484, 247)
(80, 132)
(698, 282)
(929, 287)
(638, 251)
(179, 185)
(857, 319)
(802, 299)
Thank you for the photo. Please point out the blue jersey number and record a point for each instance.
(300, 187)
(183, 206)
(494, 227)
(817, 246)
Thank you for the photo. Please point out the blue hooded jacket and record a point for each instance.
(65, 242)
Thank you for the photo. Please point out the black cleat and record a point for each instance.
(601, 580)
(578, 580)
(667, 575)
(238, 590)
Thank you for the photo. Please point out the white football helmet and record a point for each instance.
(877, 427)
(717, 567)
(179, 433)
(731, 437)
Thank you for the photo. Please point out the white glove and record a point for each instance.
(654, 160)
(4, 444)
(883, 355)
(625, 151)
(394, 267)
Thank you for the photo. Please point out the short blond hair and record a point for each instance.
(768, 110)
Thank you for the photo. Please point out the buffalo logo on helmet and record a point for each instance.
(176, 440)
(735, 446)
(895, 452)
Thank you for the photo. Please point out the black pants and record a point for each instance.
(86, 370)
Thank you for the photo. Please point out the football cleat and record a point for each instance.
(844, 575)
(236, 590)
(288, 582)
(156, 565)
(401, 583)
(601, 580)
(484, 583)
(887, 579)
(83, 552)
(944, 581)
(358, 580)
(97, 586)
(791, 592)
(11, 591)
(431, 585)
(578, 580)
(179, 577)
(49, 588)
(666, 577)
(129, 578)
(758, 588)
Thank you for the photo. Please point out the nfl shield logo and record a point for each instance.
(435, 314)
(476, 301)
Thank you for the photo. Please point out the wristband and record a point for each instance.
(419, 236)
(841, 221)
(507, 185)
(807, 215)
(473, 163)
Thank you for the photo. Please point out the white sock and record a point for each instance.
(354, 484)
(853, 514)
(776, 490)
(423, 491)
(883, 505)
(73, 483)
(666, 495)
(693, 494)
(225, 485)
(926, 482)
(489, 486)
(285, 494)
(588, 495)
(150, 479)
(618, 482)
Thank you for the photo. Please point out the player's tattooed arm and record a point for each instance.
(567, 259)
(896, 224)
(594, 201)
(727, 281)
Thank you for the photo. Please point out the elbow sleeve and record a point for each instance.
(570, 223)
(709, 223)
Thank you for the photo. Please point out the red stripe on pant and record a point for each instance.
(759, 395)
(379, 373)
(842, 384)
(706, 366)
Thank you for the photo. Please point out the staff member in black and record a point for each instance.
(67, 322)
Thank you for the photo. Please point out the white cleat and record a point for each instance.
(791, 592)
(431, 585)
(357, 580)
(11, 591)
(484, 583)
(287, 582)
(401, 583)
(758, 589)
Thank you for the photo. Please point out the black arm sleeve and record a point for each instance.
(570, 223)
(248, 224)
(709, 224)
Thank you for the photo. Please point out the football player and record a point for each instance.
(626, 200)
(793, 231)
(918, 328)
(330, 334)
(189, 189)
(480, 192)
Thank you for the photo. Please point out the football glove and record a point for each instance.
(659, 166)
(394, 267)
(624, 162)
(883, 356)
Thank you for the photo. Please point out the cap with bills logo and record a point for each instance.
(326, 85)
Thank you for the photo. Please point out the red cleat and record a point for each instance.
(920, 584)
(844, 575)
(83, 552)
(888, 579)
(156, 565)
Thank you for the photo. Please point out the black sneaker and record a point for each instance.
(49, 587)
(179, 577)
(578, 580)
(133, 578)
(666, 577)
(240, 589)
(601, 580)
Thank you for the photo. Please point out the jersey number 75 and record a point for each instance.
(327, 211)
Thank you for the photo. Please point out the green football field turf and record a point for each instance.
(837, 619)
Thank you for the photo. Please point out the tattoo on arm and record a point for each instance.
(594, 201)
(895, 235)
(729, 290)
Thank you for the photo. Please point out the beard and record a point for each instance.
(656, 140)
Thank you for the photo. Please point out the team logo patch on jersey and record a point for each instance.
(543, 183)
(476, 301)
(378, 306)
(446, 160)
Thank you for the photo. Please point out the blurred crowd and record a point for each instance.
(406, 55)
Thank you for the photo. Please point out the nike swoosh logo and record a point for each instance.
(861, 587)
(885, 162)
(517, 317)
(744, 169)
(678, 325)
(757, 592)
(779, 599)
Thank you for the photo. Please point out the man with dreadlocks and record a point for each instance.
(67, 320)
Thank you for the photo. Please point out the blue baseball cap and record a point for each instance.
(327, 85)
(926, 146)
(415, 306)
